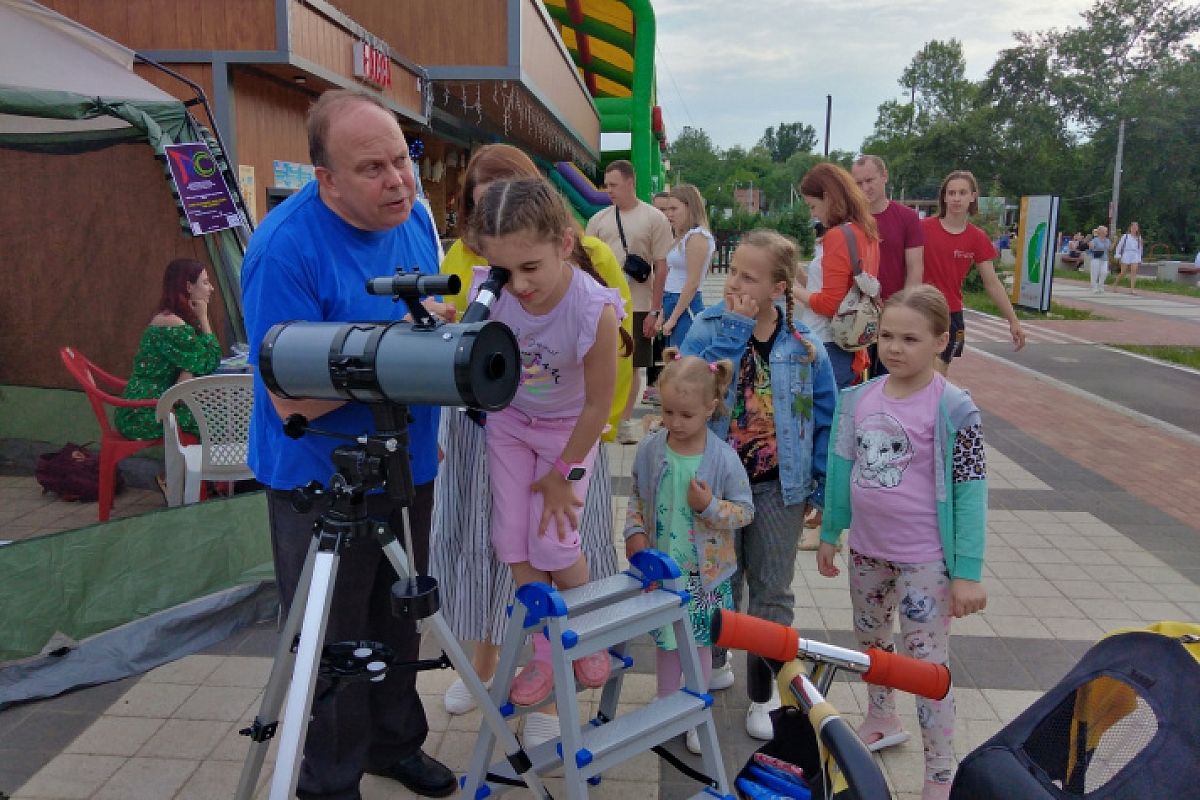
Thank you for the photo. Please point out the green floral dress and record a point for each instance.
(675, 535)
(163, 353)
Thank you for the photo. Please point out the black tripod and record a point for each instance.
(375, 461)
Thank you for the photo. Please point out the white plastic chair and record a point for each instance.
(221, 405)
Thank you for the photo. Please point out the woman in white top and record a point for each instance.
(687, 262)
(1129, 255)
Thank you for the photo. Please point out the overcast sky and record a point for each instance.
(735, 67)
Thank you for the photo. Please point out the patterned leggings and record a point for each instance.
(922, 592)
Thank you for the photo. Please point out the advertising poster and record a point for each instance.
(1034, 252)
(246, 179)
(202, 190)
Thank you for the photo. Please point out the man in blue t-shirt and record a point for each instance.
(310, 260)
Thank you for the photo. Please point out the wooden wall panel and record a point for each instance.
(85, 239)
(553, 73)
(434, 32)
(201, 74)
(270, 127)
(320, 40)
(171, 25)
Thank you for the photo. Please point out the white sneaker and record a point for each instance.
(627, 432)
(722, 676)
(458, 699)
(758, 719)
(539, 729)
(692, 741)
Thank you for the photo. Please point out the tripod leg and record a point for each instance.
(304, 677)
(276, 688)
(436, 624)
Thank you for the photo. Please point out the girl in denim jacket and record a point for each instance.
(689, 495)
(781, 403)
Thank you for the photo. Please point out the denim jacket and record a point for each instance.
(804, 395)
(731, 507)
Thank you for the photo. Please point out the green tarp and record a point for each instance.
(85, 581)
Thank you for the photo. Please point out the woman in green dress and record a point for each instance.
(177, 345)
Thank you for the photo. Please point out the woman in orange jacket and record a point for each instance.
(837, 203)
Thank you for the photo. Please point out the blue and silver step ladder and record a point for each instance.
(603, 615)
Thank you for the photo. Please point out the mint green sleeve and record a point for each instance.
(835, 516)
(970, 491)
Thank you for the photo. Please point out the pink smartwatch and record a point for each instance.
(572, 472)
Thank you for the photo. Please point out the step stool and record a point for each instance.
(602, 615)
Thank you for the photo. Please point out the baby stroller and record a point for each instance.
(1123, 724)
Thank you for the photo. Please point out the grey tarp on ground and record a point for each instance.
(139, 646)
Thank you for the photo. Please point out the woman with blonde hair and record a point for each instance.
(835, 201)
(687, 262)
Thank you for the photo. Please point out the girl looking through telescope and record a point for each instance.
(541, 447)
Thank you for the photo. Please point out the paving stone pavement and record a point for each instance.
(1079, 544)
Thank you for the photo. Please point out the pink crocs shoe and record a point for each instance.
(533, 684)
(592, 671)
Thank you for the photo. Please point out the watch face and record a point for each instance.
(576, 473)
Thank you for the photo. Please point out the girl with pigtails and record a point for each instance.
(780, 404)
(690, 493)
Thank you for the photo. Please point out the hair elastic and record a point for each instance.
(712, 368)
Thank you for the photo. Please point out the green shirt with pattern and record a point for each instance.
(164, 352)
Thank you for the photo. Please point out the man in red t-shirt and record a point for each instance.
(901, 239)
(952, 246)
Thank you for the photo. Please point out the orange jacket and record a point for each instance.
(837, 274)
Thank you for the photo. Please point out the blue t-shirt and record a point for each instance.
(306, 263)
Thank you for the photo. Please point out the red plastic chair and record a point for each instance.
(114, 448)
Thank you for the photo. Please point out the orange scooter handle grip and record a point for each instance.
(908, 674)
(759, 636)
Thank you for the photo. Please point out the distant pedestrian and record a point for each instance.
(952, 246)
(907, 476)
(687, 262)
(1129, 255)
(1098, 248)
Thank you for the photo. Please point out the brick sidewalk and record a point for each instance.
(1141, 458)
(1128, 325)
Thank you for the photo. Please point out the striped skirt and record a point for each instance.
(475, 588)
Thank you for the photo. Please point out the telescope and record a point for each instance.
(474, 363)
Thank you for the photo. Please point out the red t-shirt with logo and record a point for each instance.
(950, 256)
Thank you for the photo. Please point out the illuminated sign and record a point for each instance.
(372, 65)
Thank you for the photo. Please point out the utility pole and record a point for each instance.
(1116, 192)
(828, 114)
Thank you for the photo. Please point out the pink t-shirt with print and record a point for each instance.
(553, 345)
(892, 487)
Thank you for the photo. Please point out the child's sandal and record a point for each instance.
(878, 733)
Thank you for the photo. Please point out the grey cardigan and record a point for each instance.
(732, 504)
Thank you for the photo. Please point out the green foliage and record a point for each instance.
(1045, 119)
(790, 138)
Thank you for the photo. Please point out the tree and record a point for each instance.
(788, 139)
(937, 84)
(694, 158)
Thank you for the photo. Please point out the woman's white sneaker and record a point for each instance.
(458, 699)
(692, 741)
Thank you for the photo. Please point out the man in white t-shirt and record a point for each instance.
(647, 234)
